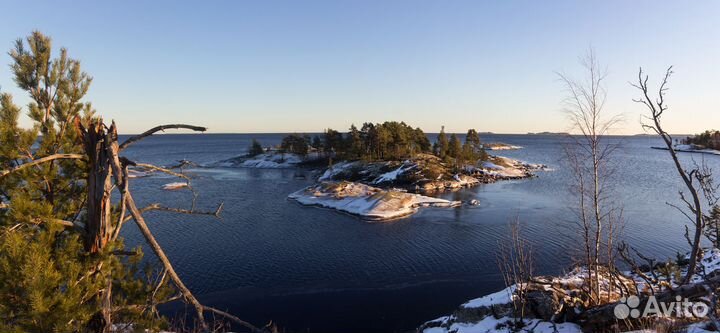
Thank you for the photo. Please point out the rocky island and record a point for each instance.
(385, 171)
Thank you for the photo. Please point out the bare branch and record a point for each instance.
(157, 206)
(157, 168)
(40, 161)
(156, 129)
(233, 318)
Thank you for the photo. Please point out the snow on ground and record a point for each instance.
(692, 149)
(501, 297)
(503, 167)
(336, 169)
(709, 263)
(391, 176)
(174, 186)
(489, 314)
(501, 146)
(366, 201)
(269, 160)
(491, 166)
(699, 328)
(491, 324)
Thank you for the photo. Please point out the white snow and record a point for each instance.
(501, 297)
(174, 186)
(269, 160)
(699, 328)
(392, 175)
(492, 325)
(272, 161)
(366, 201)
(501, 146)
(491, 166)
(336, 169)
(504, 167)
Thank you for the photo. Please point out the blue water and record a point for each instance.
(316, 270)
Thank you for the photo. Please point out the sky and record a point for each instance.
(303, 66)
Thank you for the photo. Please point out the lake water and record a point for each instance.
(317, 270)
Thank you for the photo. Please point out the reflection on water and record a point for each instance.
(270, 258)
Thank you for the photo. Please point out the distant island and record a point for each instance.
(548, 133)
(378, 171)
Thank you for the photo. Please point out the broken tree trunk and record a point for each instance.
(102, 149)
(99, 186)
(98, 228)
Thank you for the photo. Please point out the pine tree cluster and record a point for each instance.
(49, 281)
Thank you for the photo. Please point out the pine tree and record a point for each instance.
(295, 144)
(473, 139)
(54, 275)
(455, 149)
(421, 140)
(354, 143)
(712, 230)
(255, 148)
(316, 142)
(333, 141)
(442, 144)
(472, 148)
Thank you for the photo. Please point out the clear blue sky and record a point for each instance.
(279, 66)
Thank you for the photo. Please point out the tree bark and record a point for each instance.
(99, 185)
(98, 145)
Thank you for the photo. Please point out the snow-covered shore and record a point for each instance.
(366, 201)
(269, 160)
(500, 146)
(549, 302)
(691, 149)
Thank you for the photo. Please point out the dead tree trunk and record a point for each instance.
(99, 186)
(98, 227)
(657, 108)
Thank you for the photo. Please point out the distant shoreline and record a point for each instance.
(429, 133)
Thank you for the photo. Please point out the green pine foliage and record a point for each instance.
(442, 145)
(387, 141)
(709, 139)
(454, 147)
(255, 148)
(712, 230)
(295, 144)
(48, 281)
(390, 140)
(472, 148)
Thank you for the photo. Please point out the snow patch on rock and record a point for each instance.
(366, 201)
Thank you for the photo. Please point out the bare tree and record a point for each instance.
(515, 261)
(698, 180)
(589, 156)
